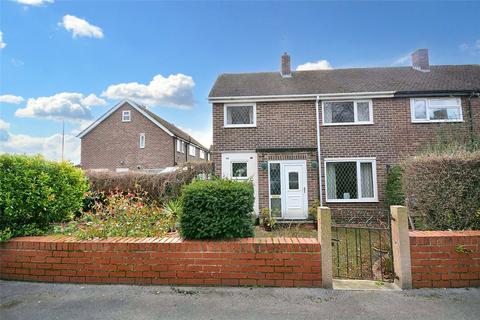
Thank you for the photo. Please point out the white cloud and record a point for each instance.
(81, 27)
(4, 126)
(11, 99)
(93, 100)
(203, 136)
(34, 2)
(175, 90)
(472, 48)
(50, 147)
(319, 65)
(65, 105)
(402, 61)
(2, 44)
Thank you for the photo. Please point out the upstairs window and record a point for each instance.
(142, 140)
(240, 115)
(126, 116)
(436, 109)
(180, 146)
(202, 154)
(347, 112)
(191, 150)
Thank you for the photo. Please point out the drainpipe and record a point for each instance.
(319, 154)
(470, 113)
(174, 151)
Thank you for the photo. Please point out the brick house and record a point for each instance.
(131, 137)
(331, 135)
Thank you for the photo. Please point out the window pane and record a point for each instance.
(420, 110)
(275, 188)
(342, 180)
(339, 112)
(276, 207)
(293, 181)
(444, 113)
(240, 115)
(366, 174)
(239, 170)
(363, 111)
(448, 102)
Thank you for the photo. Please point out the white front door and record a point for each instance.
(242, 166)
(293, 193)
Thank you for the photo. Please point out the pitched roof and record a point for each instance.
(168, 127)
(175, 130)
(357, 80)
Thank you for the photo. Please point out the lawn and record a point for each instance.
(287, 231)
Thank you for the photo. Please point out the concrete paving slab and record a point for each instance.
(347, 284)
(31, 301)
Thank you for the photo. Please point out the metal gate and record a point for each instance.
(362, 244)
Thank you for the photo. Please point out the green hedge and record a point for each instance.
(217, 209)
(444, 190)
(35, 192)
(155, 187)
(394, 187)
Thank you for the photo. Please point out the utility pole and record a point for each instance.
(63, 137)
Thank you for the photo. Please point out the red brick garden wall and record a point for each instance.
(445, 259)
(286, 262)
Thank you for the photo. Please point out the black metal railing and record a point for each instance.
(363, 250)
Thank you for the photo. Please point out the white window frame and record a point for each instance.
(201, 154)
(373, 161)
(126, 115)
(231, 169)
(141, 142)
(180, 146)
(192, 150)
(122, 170)
(427, 105)
(231, 105)
(355, 113)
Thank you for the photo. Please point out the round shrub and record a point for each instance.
(35, 192)
(217, 209)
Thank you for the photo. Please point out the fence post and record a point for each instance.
(402, 265)
(324, 219)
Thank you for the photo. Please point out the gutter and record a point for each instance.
(299, 97)
(319, 154)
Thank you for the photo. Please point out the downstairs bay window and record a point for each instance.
(351, 180)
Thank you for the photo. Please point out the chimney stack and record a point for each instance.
(420, 60)
(286, 70)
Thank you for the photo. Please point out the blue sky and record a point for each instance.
(75, 59)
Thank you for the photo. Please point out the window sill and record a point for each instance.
(437, 121)
(347, 124)
(240, 126)
(351, 200)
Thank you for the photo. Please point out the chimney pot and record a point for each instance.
(286, 70)
(420, 60)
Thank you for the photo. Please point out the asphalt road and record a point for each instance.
(23, 300)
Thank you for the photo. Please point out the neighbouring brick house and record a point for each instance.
(131, 137)
(288, 130)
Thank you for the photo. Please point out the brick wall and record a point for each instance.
(391, 138)
(282, 262)
(113, 141)
(437, 263)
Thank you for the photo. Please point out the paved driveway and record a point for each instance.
(23, 300)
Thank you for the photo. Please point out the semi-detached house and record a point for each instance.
(130, 136)
(332, 135)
